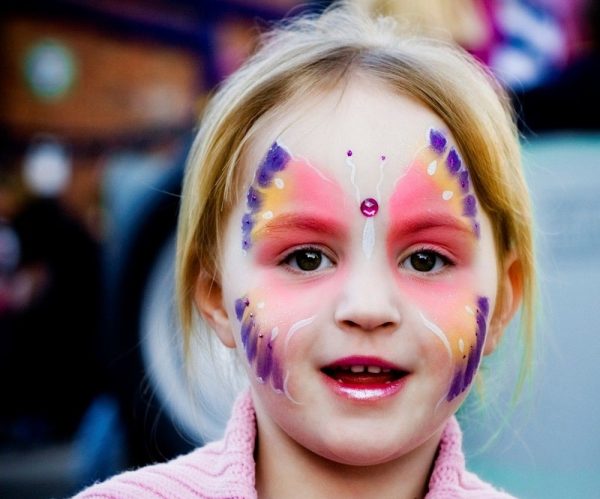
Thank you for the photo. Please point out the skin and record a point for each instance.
(358, 301)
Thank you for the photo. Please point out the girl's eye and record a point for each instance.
(308, 260)
(425, 261)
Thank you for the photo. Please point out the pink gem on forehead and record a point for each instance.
(369, 207)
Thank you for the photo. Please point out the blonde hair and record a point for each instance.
(322, 51)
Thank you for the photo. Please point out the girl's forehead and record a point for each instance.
(364, 119)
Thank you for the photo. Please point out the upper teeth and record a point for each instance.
(371, 369)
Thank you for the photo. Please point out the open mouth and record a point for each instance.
(364, 379)
(363, 375)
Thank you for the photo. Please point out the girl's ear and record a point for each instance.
(208, 296)
(509, 300)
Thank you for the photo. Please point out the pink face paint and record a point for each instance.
(432, 207)
(285, 184)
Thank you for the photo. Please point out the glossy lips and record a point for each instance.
(365, 379)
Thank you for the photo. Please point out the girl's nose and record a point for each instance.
(368, 301)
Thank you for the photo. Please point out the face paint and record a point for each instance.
(438, 180)
(465, 370)
(369, 207)
(285, 183)
(266, 179)
(259, 344)
(453, 178)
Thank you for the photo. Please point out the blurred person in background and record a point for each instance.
(50, 291)
(568, 100)
(528, 44)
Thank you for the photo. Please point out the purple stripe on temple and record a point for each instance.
(453, 161)
(437, 141)
(253, 199)
(247, 223)
(469, 206)
(477, 229)
(463, 180)
(275, 161)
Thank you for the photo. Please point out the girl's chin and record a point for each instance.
(352, 457)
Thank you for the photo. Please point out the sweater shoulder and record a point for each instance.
(205, 472)
(221, 469)
(450, 479)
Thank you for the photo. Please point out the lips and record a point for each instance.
(364, 378)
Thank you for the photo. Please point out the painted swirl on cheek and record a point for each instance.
(465, 371)
(263, 352)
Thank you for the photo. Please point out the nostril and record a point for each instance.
(369, 325)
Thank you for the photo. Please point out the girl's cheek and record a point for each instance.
(456, 325)
(273, 319)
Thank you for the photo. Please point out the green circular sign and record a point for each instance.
(50, 69)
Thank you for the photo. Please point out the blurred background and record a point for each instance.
(99, 101)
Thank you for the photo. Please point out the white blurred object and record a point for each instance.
(534, 46)
(47, 168)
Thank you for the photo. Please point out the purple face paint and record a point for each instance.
(464, 376)
(453, 161)
(240, 307)
(253, 199)
(454, 165)
(274, 161)
(437, 141)
(463, 180)
(469, 206)
(369, 207)
(258, 346)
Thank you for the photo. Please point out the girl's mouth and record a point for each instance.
(364, 379)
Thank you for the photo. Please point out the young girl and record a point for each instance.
(355, 224)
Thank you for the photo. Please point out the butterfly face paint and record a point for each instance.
(328, 310)
(283, 187)
(438, 179)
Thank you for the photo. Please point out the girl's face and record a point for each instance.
(359, 276)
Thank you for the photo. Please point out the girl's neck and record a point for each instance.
(284, 469)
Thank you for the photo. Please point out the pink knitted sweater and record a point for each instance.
(225, 469)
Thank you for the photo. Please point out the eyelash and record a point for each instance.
(443, 259)
(288, 257)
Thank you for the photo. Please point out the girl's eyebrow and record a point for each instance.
(286, 222)
(429, 221)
